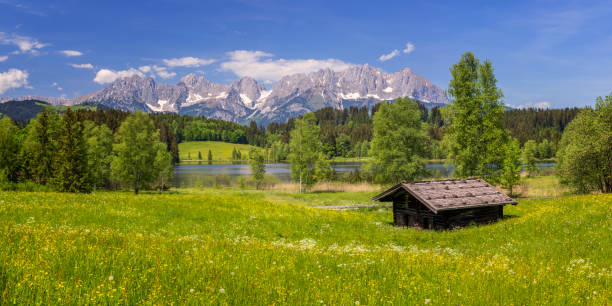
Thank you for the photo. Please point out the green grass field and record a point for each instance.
(114, 247)
(221, 151)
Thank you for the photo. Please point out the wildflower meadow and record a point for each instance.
(115, 247)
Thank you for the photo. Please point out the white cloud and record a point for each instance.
(537, 105)
(145, 69)
(409, 48)
(162, 72)
(70, 53)
(24, 43)
(14, 78)
(254, 64)
(82, 66)
(187, 62)
(386, 57)
(3, 58)
(108, 76)
(57, 86)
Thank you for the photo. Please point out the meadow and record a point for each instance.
(221, 151)
(205, 248)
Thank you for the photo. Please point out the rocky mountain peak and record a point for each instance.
(246, 99)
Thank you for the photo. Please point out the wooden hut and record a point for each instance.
(445, 204)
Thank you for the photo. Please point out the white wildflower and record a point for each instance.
(221, 290)
(110, 278)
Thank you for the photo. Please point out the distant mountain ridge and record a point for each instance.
(246, 99)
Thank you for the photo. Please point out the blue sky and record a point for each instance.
(559, 53)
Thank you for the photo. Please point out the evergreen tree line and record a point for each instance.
(348, 132)
(70, 154)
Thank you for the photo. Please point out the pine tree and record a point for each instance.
(71, 159)
(210, 157)
(40, 146)
(199, 155)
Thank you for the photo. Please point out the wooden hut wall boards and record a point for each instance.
(445, 204)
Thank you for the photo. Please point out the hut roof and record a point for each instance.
(449, 194)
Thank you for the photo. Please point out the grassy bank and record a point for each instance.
(221, 151)
(195, 248)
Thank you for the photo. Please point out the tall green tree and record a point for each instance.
(99, 153)
(585, 151)
(163, 164)
(71, 174)
(136, 150)
(399, 144)
(9, 150)
(210, 157)
(258, 167)
(475, 137)
(40, 146)
(308, 163)
(511, 167)
(529, 156)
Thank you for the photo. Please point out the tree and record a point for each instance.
(511, 167)
(476, 136)
(585, 151)
(71, 173)
(136, 151)
(163, 164)
(399, 144)
(210, 157)
(40, 146)
(9, 150)
(99, 153)
(258, 167)
(306, 159)
(544, 149)
(343, 145)
(199, 155)
(529, 156)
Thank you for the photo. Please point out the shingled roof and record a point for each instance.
(449, 194)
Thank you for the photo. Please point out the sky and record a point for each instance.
(545, 53)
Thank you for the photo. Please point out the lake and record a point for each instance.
(188, 175)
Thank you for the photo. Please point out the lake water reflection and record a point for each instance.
(188, 175)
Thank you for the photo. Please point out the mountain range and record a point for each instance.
(246, 99)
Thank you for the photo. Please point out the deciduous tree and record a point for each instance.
(136, 150)
(258, 167)
(399, 144)
(9, 150)
(529, 156)
(308, 163)
(476, 137)
(511, 167)
(585, 150)
(99, 153)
